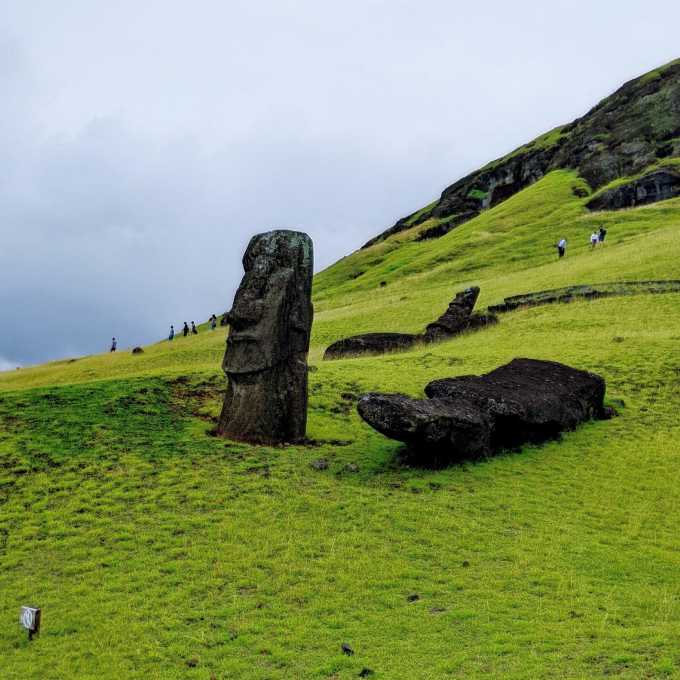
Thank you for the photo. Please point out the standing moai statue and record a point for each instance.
(269, 327)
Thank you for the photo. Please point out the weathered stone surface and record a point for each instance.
(478, 321)
(529, 400)
(655, 186)
(469, 417)
(431, 427)
(266, 356)
(370, 343)
(137, 350)
(456, 318)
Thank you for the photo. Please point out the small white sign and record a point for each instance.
(30, 619)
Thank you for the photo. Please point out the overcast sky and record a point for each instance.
(143, 142)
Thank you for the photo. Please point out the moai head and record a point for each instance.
(271, 315)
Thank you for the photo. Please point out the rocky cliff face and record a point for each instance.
(624, 134)
(658, 185)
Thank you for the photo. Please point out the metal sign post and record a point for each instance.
(30, 620)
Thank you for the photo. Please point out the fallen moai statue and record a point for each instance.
(371, 343)
(457, 318)
(269, 327)
(468, 417)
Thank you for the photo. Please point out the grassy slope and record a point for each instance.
(150, 544)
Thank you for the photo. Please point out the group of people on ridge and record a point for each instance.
(595, 238)
(185, 331)
(193, 330)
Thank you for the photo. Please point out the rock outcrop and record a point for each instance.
(620, 137)
(266, 356)
(468, 417)
(456, 319)
(659, 185)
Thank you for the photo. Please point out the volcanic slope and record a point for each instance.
(159, 551)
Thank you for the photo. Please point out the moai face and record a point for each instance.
(267, 310)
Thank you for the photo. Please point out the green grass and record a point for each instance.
(419, 213)
(478, 194)
(159, 551)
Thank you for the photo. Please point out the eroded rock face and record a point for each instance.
(266, 356)
(470, 417)
(656, 186)
(370, 343)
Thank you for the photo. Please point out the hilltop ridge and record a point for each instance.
(627, 134)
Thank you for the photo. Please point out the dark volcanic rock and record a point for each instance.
(137, 350)
(478, 321)
(529, 400)
(430, 425)
(370, 343)
(456, 318)
(445, 227)
(266, 356)
(526, 400)
(655, 186)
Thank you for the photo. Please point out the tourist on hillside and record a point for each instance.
(601, 234)
(185, 330)
(224, 320)
(193, 329)
(213, 322)
(114, 344)
(562, 247)
(172, 333)
(594, 238)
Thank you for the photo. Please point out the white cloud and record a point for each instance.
(6, 365)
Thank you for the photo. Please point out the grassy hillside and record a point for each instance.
(159, 551)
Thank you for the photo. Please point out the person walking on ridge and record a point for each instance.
(594, 238)
(601, 234)
(172, 333)
(185, 330)
(561, 247)
(114, 344)
(193, 329)
(213, 322)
